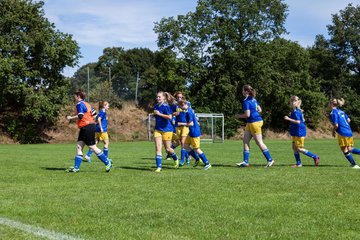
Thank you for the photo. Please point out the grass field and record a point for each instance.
(226, 202)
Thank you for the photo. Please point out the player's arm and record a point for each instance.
(246, 114)
(292, 120)
(166, 116)
(258, 108)
(100, 124)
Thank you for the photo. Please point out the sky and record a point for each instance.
(96, 24)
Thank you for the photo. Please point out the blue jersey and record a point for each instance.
(163, 124)
(339, 117)
(251, 104)
(104, 121)
(194, 131)
(182, 115)
(297, 130)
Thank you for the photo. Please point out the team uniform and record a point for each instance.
(193, 138)
(344, 133)
(164, 129)
(87, 127)
(298, 134)
(182, 131)
(100, 136)
(253, 124)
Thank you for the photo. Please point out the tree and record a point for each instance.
(33, 55)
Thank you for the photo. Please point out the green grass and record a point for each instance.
(226, 202)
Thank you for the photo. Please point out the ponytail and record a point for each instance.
(337, 102)
(297, 101)
(249, 90)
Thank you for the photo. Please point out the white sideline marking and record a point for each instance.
(38, 231)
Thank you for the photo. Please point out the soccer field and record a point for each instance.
(133, 202)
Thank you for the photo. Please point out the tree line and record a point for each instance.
(209, 54)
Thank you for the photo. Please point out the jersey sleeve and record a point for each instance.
(81, 108)
(167, 110)
(190, 116)
(246, 105)
(297, 115)
(333, 118)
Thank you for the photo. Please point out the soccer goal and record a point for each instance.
(211, 125)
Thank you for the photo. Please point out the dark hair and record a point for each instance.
(182, 101)
(337, 102)
(249, 90)
(102, 104)
(80, 94)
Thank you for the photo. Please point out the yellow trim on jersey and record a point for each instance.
(345, 141)
(299, 141)
(254, 128)
(194, 142)
(101, 136)
(166, 136)
(182, 131)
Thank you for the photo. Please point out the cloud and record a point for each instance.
(109, 22)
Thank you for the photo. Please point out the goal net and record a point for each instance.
(211, 126)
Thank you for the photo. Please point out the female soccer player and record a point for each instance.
(86, 125)
(254, 123)
(182, 131)
(163, 129)
(298, 132)
(193, 138)
(342, 129)
(101, 129)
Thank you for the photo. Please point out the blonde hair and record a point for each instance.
(168, 97)
(249, 90)
(337, 102)
(297, 101)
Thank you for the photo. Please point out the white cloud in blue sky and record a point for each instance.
(96, 24)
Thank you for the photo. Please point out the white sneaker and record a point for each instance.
(207, 167)
(270, 164)
(108, 167)
(356, 167)
(242, 164)
(87, 159)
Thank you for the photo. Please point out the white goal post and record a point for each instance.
(211, 125)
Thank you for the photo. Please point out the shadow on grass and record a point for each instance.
(54, 169)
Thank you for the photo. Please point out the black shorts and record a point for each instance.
(87, 135)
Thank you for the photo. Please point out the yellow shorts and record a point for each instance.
(299, 141)
(194, 142)
(182, 131)
(345, 141)
(175, 137)
(101, 136)
(254, 128)
(166, 136)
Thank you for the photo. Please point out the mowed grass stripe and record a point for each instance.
(225, 202)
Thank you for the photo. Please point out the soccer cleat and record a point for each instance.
(72, 169)
(108, 167)
(270, 164)
(168, 157)
(188, 161)
(87, 159)
(181, 163)
(316, 160)
(157, 170)
(196, 163)
(176, 163)
(243, 164)
(296, 165)
(207, 167)
(355, 167)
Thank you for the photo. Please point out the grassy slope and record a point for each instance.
(132, 202)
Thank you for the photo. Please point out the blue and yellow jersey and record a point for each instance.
(297, 130)
(84, 108)
(251, 104)
(182, 115)
(104, 121)
(194, 131)
(339, 117)
(162, 124)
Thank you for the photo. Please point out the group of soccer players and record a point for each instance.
(176, 124)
